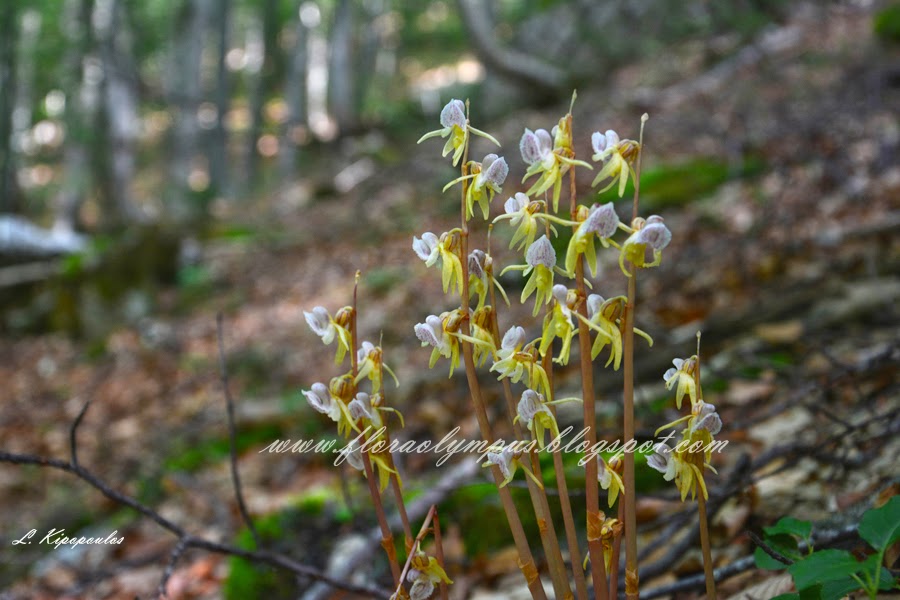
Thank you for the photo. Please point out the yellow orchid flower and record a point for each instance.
(332, 400)
(434, 332)
(618, 157)
(328, 328)
(650, 235)
(508, 459)
(371, 364)
(424, 573)
(519, 361)
(682, 376)
(367, 409)
(609, 478)
(487, 178)
(598, 222)
(455, 126)
(433, 249)
(525, 213)
(559, 323)
(541, 263)
(481, 277)
(552, 157)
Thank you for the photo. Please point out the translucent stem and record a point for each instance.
(387, 538)
(526, 559)
(592, 492)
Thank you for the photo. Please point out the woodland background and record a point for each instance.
(165, 160)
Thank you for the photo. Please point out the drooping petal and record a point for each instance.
(602, 220)
(655, 234)
(598, 143)
(541, 252)
(514, 338)
(319, 321)
(454, 113)
(495, 170)
(426, 247)
(529, 147)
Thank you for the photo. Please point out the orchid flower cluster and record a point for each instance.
(687, 463)
(557, 287)
(356, 413)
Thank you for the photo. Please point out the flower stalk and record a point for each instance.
(701, 508)
(594, 517)
(631, 568)
(526, 559)
(387, 538)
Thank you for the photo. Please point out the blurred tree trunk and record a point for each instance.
(185, 94)
(295, 97)
(521, 68)
(341, 97)
(261, 85)
(366, 59)
(9, 35)
(81, 101)
(218, 148)
(120, 111)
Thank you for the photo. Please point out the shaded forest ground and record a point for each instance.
(777, 173)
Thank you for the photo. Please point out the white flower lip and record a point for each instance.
(431, 332)
(495, 169)
(660, 458)
(560, 292)
(602, 220)
(513, 338)
(541, 252)
(476, 263)
(535, 145)
(530, 404)
(320, 322)
(454, 113)
(655, 234)
(361, 407)
(426, 248)
(594, 303)
(515, 203)
(320, 399)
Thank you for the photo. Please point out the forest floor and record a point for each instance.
(778, 173)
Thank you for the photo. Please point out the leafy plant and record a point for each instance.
(831, 574)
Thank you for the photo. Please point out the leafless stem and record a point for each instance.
(232, 434)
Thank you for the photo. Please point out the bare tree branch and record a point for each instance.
(189, 540)
(510, 63)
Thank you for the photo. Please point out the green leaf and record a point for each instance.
(790, 526)
(887, 581)
(881, 526)
(835, 590)
(791, 596)
(812, 593)
(823, 566)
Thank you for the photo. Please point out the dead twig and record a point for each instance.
(232, 435)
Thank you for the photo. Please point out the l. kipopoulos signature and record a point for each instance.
(57, 537)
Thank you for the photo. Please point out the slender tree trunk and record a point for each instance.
(372, 41)
(185, 93)
(81, 101)
(341, 96)
(218, 148)
(9, 35)
(295, 97)
(120, 105)
(260, 86)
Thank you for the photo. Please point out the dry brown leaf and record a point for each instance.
(766, 589)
